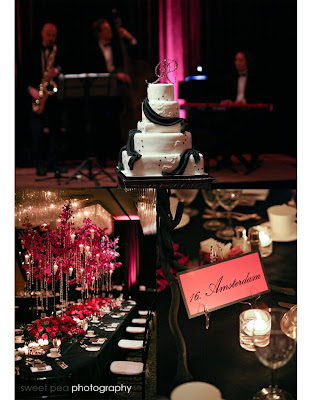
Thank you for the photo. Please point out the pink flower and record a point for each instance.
(45, 336)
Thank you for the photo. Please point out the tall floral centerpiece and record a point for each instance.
(85, 257)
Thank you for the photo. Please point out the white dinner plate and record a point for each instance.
(115, 316)
(90, 336)
(93, 348)
(110, 329)
(283, 238)
(52, 356)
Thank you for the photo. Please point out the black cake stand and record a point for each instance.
(164, 182)
(166, 222)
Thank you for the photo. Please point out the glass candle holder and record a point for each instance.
(266, 241)
(254, 322)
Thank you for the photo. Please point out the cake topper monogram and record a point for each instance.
(162, 70)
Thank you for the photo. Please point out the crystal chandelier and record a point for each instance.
(146, 207)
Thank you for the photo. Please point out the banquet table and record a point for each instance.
(84, 367)
(215, 355)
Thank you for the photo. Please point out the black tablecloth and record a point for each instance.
(85, 367)
(214, 355)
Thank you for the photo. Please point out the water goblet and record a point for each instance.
(187, 196)
(85, 325)
(228, 199)
(56, 343)
(102, 312)
(211, 200)
(289, 322)
(276, 354)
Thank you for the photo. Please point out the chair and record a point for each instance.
(133, 369)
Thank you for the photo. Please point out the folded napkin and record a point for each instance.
(45, 369)
(206, 246)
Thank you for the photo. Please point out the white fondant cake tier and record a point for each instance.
(154, 165)
(150, 127)
(162, 143)
(160, 91)
(169, 109)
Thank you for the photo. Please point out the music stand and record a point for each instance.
(84, 86)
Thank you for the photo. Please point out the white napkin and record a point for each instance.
(47, 368)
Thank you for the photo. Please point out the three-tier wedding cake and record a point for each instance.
(161, 144)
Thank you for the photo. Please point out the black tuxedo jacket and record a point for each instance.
(254, 92)
(96, 60)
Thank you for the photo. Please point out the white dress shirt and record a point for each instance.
(108, 55)
(241, 86)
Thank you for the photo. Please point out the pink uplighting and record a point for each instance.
(126, 218)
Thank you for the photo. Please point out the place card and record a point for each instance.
(223, 283)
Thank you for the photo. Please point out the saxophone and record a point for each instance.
(47, 86)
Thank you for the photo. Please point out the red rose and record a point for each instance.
(45, 336)
(40, 328)
(53, 335)
(49, 329)
(55, 328)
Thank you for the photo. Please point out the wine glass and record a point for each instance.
(289, 322)
(85, 325)
(56, 343)
(187, 196)
(211, 200)
(275, 355)
(228, 199)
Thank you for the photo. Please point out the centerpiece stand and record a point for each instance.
(166, 223)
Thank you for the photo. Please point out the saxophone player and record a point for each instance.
(40, 68)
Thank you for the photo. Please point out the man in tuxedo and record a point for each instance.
(107, 54)
(238, 127)
(45, 126)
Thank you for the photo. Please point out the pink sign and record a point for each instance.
(223, 283)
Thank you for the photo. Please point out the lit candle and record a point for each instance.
(27, 258)
(97, 256)
(257, 326)
(55, 268)
(22, 242)
(81, 248)
(92, 233)
(70, 271)
(87, 249)
(72, 237)
(264, 239)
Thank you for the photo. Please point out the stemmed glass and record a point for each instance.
(275, 355)
(56, 343)
(289, 322)
(211, 200)
(228, 199)
(187, 196)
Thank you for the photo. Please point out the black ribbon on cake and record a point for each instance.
(152, 116)
(134, 155)
(120, 166)
(183, 162)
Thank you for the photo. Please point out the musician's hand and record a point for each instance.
(125, 78)
(34, 93)
(240, 102)
(226, 102)
(124, 34)
(53, 73)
